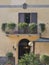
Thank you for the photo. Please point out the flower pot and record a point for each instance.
(8, 64)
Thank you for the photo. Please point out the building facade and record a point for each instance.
(37, 11)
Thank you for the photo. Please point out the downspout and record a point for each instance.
(33, 47)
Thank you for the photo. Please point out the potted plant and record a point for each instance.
(9, 55)
(10, 28)
(32, 28)
(44, 59)
(22, 27)
(8, 63)
(4, 26)
(29, 59)
(42, 26)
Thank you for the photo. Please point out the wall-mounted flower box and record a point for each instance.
(8, 28)
(32, 28)
(42, 26)
(23, 28)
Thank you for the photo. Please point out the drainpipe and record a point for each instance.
(39, 30)
(40, 35)
(33, 47)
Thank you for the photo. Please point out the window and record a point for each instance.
(28, 17)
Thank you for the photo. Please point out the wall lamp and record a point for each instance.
(14, 48)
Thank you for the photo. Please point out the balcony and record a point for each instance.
(22, 28)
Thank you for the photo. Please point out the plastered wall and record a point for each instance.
(11, 15)
(8, 15)
(42, 48)
(24, 1)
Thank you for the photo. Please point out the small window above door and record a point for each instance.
(28, 17)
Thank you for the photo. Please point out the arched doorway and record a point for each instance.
(23, 48)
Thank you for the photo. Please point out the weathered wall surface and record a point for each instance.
(37, 2)
(5, 2)
(11, 15)
(24, 1)
(8, 15)
(42, 48)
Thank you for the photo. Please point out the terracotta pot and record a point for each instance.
(8, 64)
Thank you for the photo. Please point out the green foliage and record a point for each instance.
(11, 25)
(8, 62)
(8, 27)
(32, 27)
(9, 54)
(22, 25)
(42, 25)
(44, 59)
(4, 26)
(29, 59)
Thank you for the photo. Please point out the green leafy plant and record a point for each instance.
(9, 54)
(28, 59)
(22, 27)
(33, 28)
(42, 26)
(8, 27)
(11, 25)
(4, 26)
(8, 63)
(44, 59)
